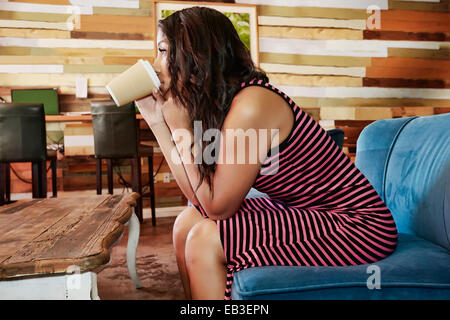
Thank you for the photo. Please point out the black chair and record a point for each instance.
(116, 136)
(23, 139)
(337, 135)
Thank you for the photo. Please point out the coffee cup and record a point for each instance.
(134, 83)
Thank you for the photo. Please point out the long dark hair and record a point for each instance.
(209, 62)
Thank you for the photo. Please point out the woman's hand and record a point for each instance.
(155, 110)
(151, 109)
(176, 115)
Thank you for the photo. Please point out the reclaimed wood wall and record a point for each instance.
(347, 65)
(344, 64)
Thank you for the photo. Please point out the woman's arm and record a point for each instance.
(233, 179)
(151, 113)
(172, 156)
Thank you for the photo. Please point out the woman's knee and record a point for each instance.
(183, 224)
(203, 243)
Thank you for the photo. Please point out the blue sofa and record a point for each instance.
(407, 160)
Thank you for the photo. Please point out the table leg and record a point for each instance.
(133, 238)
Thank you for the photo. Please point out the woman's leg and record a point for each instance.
(183, 224)
(205, 261)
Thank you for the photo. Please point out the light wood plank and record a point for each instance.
(34, 16)
(107, 60)
(44, 8)
(365, 92)
(77, 43)
(109, 35)
(314, 81)
(309, 33)
(311, 22)
(123, 11)
(74, 52)
(35, 25)
(54, 80)
(63, 60)
(324, 70)
(92, 90)
(312, 12)
(122, 4)
(95, 68)
(370, 102)
(352, 4)
(60, 2)
(34, 33)
(117, 23)
(364, 113)
(314, 60)
(31, 68)
(358, 48)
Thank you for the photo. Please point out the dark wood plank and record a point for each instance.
(81, 236)
(108, 35)
(403, 83)
(17, 206)
(406, 36)
(30, 224)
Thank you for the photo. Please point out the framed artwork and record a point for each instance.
(244, 18)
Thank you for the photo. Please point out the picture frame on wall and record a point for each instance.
(243, 16)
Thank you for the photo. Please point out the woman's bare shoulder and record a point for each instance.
(262, 104)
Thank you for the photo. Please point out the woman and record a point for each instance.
(321, 210)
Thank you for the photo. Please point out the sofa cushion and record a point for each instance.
(417, 183)
(418, 269)
(407, 160)
(373, 147)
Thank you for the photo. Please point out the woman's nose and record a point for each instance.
(157, 65)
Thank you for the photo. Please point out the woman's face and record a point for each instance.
(160, 64)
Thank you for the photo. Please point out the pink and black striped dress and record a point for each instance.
(321, 210)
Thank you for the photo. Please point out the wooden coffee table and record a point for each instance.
(52, 248)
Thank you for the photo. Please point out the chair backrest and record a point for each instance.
(115, 130)
(22, 132)
(407, 160)
(337, 135)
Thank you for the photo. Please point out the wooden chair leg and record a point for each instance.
(39, 179)
(35, 179)
(7, 182)
(98, 174)
(2, 184)
(152, 189)
(110, 176)
(136, 186)
(54, 182)
(43, 180)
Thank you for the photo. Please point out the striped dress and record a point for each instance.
(320, 210)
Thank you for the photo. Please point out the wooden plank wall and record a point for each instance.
(324, 54)
(346, 70)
